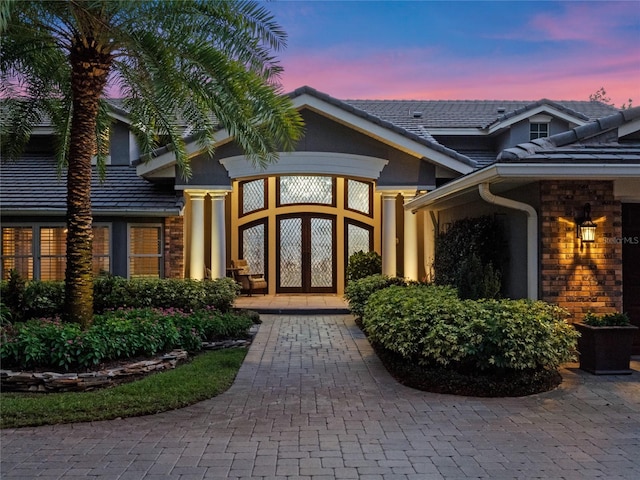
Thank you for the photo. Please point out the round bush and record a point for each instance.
(430, 325)
(363, 264)
(358, 292)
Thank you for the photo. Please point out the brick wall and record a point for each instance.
(174, 247)
(580, 277)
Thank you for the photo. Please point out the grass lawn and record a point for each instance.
(206, 376)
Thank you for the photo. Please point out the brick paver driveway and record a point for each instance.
(313, 402)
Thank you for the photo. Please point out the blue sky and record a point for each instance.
(462, 49)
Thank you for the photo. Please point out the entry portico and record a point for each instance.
(297, 221)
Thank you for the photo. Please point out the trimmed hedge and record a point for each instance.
(357, 292)
(363, 264)
(120, 334)
(432, 326)
(37, 299)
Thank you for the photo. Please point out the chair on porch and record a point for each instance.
(250, 282)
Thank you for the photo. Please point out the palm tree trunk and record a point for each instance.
(90, 69)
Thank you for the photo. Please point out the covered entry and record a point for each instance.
(299, 230)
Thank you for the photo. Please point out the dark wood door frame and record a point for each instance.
(306, 254)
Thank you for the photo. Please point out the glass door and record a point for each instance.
(306, 253)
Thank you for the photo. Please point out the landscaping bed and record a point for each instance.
(439, 379)
(430, 339)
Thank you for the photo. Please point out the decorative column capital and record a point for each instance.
(196, 194)
(218, 194)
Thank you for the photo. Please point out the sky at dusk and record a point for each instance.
(507, 50)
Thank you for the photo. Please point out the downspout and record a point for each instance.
(532, 234)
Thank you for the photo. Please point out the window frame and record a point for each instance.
(36, 244)
(346, 197)
(333, 192)
(160, 255)
(53, 258)
(246, 226)
(535, 129)
(265, 182)
(32, 256)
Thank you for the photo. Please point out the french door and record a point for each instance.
(306, 254)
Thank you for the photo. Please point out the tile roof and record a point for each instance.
(584, 144)
(417, 116)
(479, 114)
(414, 118)
(32, 185)
(417, 134)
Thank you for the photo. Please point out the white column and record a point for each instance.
(389, 234)
(218, 235)
(410, 241)
(196, 235)
(430, 232)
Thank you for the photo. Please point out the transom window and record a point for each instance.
(301, 189)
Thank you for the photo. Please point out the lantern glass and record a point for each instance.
(588, 231)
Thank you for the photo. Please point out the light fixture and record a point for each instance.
(586, 229)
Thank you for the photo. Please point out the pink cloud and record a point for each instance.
(431, 74)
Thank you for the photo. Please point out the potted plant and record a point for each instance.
(605, 343)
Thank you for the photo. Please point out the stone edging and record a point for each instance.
(49, 382)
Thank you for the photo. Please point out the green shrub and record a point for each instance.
(476, 281)
(115, 335)
(466, 243)
(363, 265)
(37, 299)
(43, 299)
(114, 292)
(399, 318)
(357, 292)
(38, 343)
(6, 317)
(12, 294)
(428, 325)
(616, 319)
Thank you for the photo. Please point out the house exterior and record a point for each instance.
(367, 175)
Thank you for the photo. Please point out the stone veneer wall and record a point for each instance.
(580, 277)
(174, 247)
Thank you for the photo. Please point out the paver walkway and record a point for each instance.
(312, 402)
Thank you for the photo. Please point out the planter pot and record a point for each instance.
(605, 350)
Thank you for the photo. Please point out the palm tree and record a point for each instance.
(207, 63)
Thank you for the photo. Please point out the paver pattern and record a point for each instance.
(313, 402)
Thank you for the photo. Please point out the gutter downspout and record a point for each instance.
(532, 234)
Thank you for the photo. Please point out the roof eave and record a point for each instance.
(544, 108)
(383, 131)
(133, 212)
(526, 172)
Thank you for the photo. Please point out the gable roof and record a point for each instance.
(597, 150)
(417, 141)
(420, 136)
(415, 115)
(31, 186)
(584, 144)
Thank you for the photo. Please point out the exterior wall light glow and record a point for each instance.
(586, 230)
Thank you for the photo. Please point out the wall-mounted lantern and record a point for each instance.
(586, 229)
